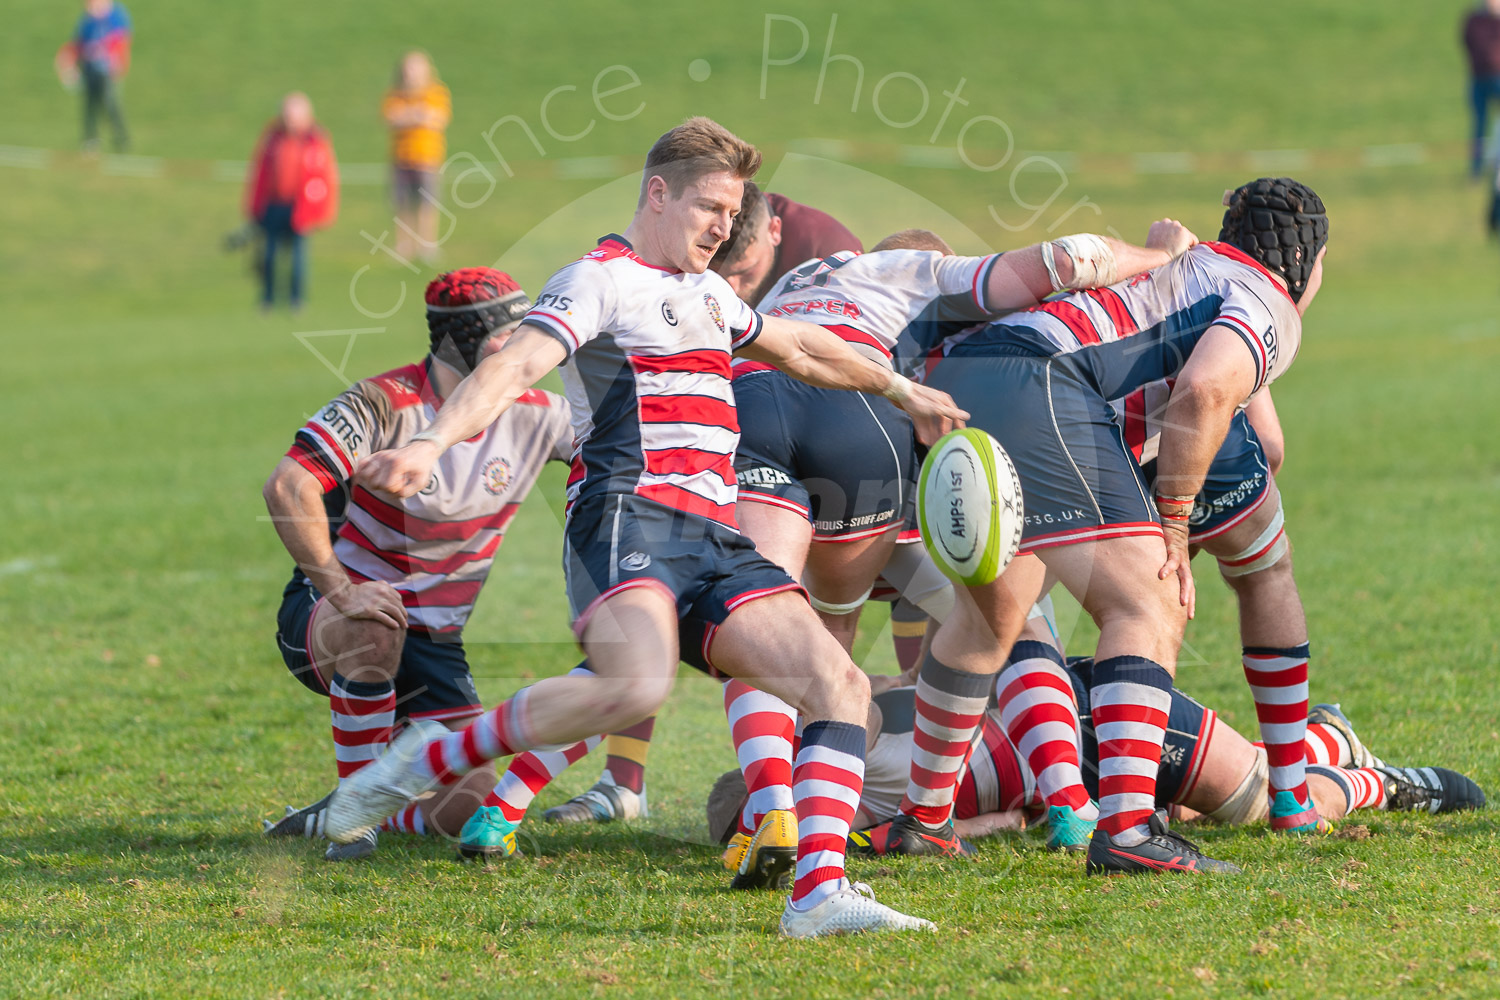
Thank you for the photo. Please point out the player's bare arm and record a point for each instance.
(1022, 278)
(1217, 378)
(1261, 412)
(295, 499)
(496, 383)
(815, 355)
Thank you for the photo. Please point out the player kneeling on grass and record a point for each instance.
(373, 616)
(644, 336)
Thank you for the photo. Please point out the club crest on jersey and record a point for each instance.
(635, 561)
(431, 487)
(496, 476)
(714, 312)
(667, 313)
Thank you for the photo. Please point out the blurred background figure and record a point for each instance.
(98, 55)
(293, 188)
(417, 109)
(1482, 40)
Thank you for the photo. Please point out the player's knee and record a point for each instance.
(370, 652)
(1155, 609)
(381, 645)
(635, 701)
(847, 684)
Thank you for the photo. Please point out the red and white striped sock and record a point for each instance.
(529, 773)
(762, 728)
(408, 820)
(500, 732)
(827, 781)
(1326, 745)
(949, 707)
(363, 714)
(1278, 681)
(503, 731)
(1368, 791)
(1130, 699)
(1041, 719)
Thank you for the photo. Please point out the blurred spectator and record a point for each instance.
(1482, 40)
(99, 56)
(417, 109)
(293, 188)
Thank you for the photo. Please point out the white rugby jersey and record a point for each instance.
(436, 547)
(892, 305)
(1162, 313)
(647, 375)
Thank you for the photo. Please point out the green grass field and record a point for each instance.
(150, 724)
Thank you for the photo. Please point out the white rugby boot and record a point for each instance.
(366, 798)
(851, 910)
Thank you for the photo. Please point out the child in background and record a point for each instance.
(417, 109)
(98, 55)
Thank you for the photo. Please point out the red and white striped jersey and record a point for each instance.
(888, 304)
(1140, 417)
(648, 378)
(994, 779)
(436, 547)
(1160, 314)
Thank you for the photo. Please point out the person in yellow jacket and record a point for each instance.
(417, 109)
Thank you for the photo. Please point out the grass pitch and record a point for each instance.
(150, 724)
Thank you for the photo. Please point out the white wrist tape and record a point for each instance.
(424, 436)
(897, 389)
(1093, 261)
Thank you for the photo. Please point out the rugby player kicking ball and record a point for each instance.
(645, 336)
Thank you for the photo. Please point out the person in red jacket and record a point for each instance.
(293, 189)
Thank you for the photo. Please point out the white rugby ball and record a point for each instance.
(969, 506)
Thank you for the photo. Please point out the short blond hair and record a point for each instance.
(696, 147)
(913, 239)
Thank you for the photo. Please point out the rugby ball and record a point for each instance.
(969, 506)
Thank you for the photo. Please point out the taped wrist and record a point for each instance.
(1093, 261)
(898, 389)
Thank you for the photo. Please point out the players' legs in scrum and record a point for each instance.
(954, 684)
(778, 645)
(1140, 624)
(1255, 561)
(839, 575)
